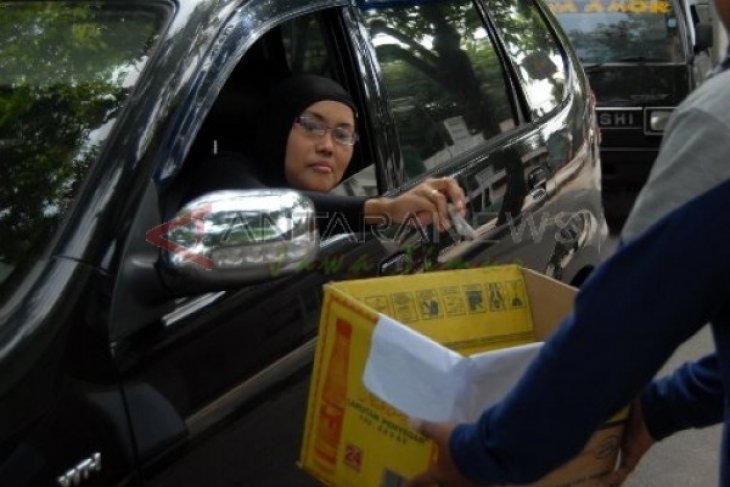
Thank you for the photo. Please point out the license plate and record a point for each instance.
(620, 119)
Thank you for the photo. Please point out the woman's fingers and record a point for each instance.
(441, 191)
(428, 203)
(439, 204)
(453, 191)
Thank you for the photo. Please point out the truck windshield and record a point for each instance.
(605, 31)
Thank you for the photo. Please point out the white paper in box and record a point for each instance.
(427, 381)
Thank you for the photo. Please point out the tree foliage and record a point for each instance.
(65, 71)
(437, 59)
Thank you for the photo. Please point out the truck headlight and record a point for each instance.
(657, 118)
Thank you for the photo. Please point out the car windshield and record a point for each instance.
(620, 30)
(66, 70)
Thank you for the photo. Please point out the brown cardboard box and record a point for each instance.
(353, 438)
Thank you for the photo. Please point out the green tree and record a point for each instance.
(433, 59)
(65, 71)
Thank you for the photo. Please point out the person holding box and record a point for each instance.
(662, 285)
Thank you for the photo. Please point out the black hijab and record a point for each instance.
(287, 100)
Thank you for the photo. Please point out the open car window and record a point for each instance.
(304, 44)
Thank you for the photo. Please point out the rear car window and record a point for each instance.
(445, 83)
(536, 55)
(66, 70)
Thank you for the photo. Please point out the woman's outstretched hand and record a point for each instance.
(426, 203)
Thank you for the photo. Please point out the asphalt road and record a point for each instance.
(689, 458)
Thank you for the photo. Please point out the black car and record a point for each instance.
(643, 57)
(142, 342)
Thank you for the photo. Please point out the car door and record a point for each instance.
(483, 93)
(563, 174)
(68, 78)
(216, 382)
(455, 112)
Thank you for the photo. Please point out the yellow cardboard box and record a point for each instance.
(352, 438)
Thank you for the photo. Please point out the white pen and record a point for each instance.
(460, 224)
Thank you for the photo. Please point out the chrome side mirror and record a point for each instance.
(239, 237)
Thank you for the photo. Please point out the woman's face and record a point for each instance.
(317, 162)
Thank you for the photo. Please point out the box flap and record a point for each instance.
(550, 300)
(427, 381)
(413, 373)
(492, 375)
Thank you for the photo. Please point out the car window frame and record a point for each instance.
(560, 40)
(513, 91)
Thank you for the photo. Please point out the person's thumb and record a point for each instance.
(426, 428)
(423, 479)
(615, 478)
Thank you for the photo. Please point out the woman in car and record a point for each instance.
(306, 141)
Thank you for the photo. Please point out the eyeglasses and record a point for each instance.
(317, 128)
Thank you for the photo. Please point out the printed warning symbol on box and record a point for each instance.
(517, 296)
(429, 305)
(404, 307)
(496, 296)
(379, 303)
(475, 298)
(453, 299)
